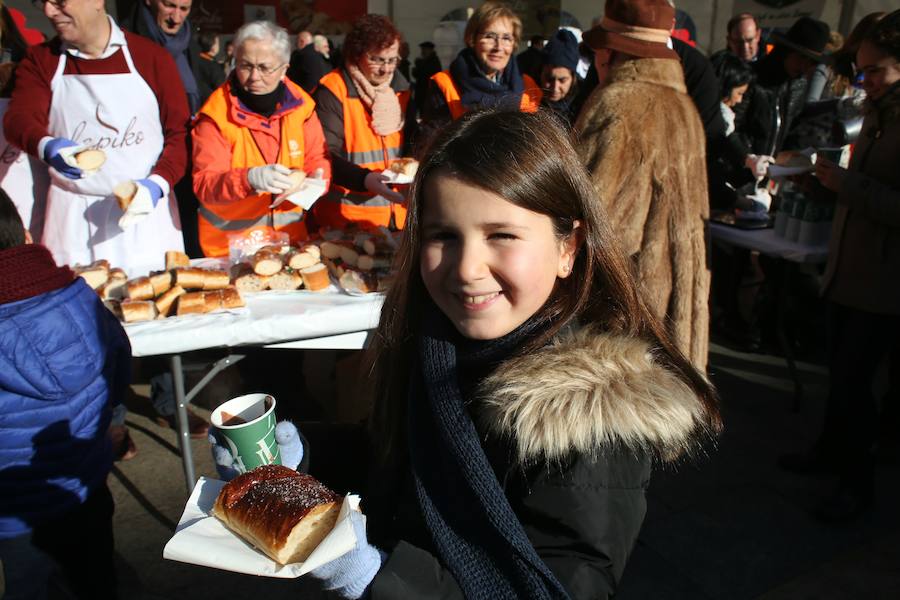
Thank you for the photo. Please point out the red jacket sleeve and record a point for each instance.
(215, 181)
(316, 156)
(28, 114)
(157, 67)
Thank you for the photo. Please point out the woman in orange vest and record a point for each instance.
(482, 74)
(362, 106)
(248, 137)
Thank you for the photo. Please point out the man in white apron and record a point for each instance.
(118, 93)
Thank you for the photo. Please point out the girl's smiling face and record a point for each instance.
(488, 264)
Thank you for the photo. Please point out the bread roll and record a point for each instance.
(354, 281)
(285, 514)
(140, 289)
(331, 249)
(276, 248)
(117, 275)
(231, 298)
(189, 279)
(349, 254)
(113, 289)
(265, 262)
(368, 262)
(124, 193)
(297, 178)
(246, 280)
(405, 166)
(286, 279)
(215, 280)
(138, 310)
(176, 259)
(92, 276)
(315, 278)
(191, 303)
(165, 302)
(90, 160)
(161, 281)
(212, 300)
(300, 259)
(378, 245)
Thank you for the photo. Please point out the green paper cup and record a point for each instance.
(246, 427)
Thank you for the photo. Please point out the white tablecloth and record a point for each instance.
(268, 318)
(766, 242)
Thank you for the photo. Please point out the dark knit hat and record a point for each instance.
(636, 27)
(806, 36)
(427, 45)
(562, 50)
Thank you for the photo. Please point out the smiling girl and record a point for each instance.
(524, 390)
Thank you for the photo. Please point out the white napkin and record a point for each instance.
(141, 206)
(202, 539)
(306, 195)
(396, 178)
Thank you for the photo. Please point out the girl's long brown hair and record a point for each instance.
(529, 160)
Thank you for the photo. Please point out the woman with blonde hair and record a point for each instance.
(483, 73)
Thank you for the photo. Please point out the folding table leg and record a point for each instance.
(181, 416)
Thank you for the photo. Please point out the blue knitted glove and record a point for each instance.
(155, 191)
(351, 575)
(53, 158)
(290, 447)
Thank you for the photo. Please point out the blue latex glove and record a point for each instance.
(290, 447)
(351, 575)
(53, 158)
(155, 191)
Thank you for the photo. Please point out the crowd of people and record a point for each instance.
(545, 341)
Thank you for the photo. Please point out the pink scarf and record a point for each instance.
(381, 100)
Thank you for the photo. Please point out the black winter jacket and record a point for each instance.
(772, 103)
(570, 432)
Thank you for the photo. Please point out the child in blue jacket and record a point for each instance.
(64, 364)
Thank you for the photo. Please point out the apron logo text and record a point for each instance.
(123, 140)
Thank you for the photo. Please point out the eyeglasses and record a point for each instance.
(57, 4)
(493, 37)
(379, 61)
(263, 70)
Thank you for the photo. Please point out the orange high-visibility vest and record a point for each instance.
(216, 223)
(531, 97)
(363, 147)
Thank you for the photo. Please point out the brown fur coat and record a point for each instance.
(642, 140)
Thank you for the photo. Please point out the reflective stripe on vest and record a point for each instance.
(531, 97)
(275, 219)
(354, 198)
(363, 147)
(370, 156)
(240, 214)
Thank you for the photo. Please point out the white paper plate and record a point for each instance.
(202, 539)
(395, 178)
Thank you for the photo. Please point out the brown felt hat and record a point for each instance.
(636, 27)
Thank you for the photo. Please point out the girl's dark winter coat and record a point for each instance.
(571, 432)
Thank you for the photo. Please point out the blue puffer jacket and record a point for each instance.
(64, 361)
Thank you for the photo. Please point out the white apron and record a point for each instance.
(25, 179)
(118, 114)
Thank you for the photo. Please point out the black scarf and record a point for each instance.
(475, 531)
(261, 104)
(477, 91)
(177, 45)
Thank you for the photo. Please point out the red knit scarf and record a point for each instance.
(29, 270)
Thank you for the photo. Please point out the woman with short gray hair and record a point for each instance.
(254, 130)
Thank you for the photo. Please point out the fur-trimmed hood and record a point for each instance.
(589, 392)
